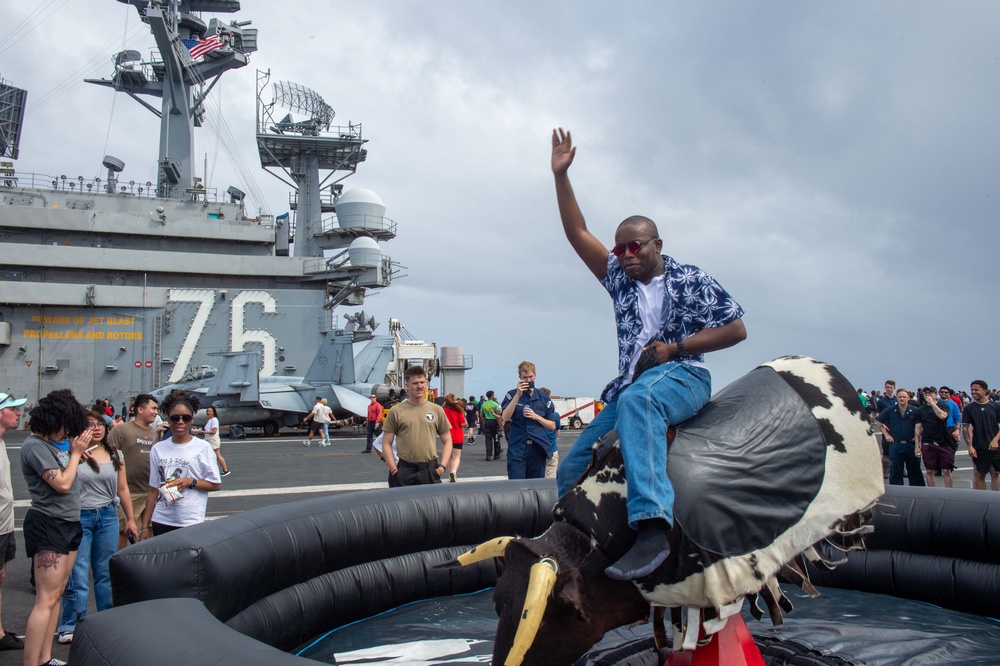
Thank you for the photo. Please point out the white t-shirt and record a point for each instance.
(650, 302)
(195, 460)
(212, 423)
(319, 413)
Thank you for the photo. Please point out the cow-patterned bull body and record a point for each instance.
(781, 465)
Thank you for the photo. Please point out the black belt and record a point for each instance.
(432, 464)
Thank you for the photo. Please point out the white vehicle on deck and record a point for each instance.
(576, 412)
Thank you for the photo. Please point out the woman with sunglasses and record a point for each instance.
(182, 471)
(50, 458)
(103, 485)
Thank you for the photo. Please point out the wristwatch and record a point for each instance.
(194, 484)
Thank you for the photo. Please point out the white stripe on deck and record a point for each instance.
(303, 490)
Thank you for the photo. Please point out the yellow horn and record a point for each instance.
(540, 583)
(484, 551)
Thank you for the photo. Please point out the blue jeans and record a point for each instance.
(326, 432)
(99, 543)
(663, 395)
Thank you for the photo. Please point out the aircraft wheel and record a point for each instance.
(271, 427)
(575, 422)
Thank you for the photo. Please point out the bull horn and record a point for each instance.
(484, 551)
(540, 583)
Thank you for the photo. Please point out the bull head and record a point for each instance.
(553, 599)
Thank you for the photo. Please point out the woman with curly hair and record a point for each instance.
(103, 486)
(459, 429)
(182, 471)
(50, 458)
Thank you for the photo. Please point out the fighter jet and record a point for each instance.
(240, 395)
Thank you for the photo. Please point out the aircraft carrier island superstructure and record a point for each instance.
(111, 287)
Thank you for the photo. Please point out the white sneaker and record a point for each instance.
(64, 638)
(326, 443)
(305, 442)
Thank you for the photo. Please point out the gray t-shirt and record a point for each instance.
(38, 455)
(97, 489)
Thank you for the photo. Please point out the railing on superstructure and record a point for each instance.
(97, 186)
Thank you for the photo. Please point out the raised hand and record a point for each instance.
(562, 150)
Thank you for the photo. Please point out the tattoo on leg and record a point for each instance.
(46, 559)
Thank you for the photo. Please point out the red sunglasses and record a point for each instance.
(633, 247)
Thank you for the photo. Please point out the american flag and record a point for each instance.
(199, 47)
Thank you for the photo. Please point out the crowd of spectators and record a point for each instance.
(927, 426)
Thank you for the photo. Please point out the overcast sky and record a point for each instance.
(833, 165)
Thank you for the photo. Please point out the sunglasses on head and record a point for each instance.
(633, 246)
(177, 418)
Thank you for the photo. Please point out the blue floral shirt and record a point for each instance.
(692, 300)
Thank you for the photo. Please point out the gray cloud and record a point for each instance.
(833, 165)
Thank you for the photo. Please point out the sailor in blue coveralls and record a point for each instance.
(532, 418)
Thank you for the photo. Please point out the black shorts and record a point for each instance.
(43, 532)
(985, 460)
(8, 547)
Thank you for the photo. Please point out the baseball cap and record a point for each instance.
(10, 401)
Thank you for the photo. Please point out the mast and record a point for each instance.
(179, 79)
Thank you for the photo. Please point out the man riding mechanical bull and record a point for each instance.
(779, 468)
(668, 316)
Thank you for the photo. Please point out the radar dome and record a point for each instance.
(364, 252)
(360, 209)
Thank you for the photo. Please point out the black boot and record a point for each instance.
(648, 552)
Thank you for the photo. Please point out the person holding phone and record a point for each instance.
(932, 438)
(532, 418)
(50, 459)
(103, 486)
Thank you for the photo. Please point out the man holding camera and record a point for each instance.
(532, 416)
(932, 437)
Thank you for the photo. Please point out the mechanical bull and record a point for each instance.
(780, 467)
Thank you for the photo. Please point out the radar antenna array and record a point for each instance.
(12, 103)
(296, 97)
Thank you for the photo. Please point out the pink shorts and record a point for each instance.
(937, 457)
